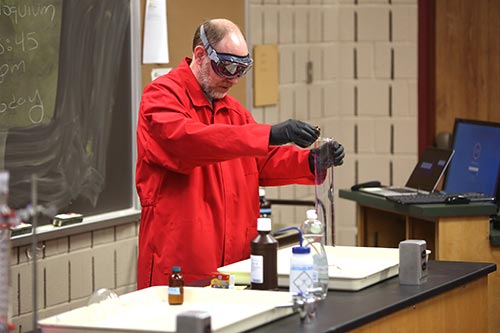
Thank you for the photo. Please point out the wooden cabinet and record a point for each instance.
(452, 233)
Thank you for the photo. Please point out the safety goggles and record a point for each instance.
(226, 65)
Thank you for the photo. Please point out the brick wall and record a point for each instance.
(363, 93)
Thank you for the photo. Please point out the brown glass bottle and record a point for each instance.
(265, 205)
(264, 258)
(176, 287)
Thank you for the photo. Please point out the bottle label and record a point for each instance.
(302, 279)
(265, 211)
(257, 269)
(174, 290)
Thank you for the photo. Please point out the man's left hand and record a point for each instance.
(331, 153)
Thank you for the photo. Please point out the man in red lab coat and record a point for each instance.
(202, 157)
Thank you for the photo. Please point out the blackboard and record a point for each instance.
(65, 106)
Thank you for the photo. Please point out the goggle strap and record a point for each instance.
(212, 54)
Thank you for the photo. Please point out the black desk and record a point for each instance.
(455, 292)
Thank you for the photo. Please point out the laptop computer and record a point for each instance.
(425, 176)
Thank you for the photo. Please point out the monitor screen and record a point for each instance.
(475, 167)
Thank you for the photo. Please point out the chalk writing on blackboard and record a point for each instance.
(65, 113)
(30, 32)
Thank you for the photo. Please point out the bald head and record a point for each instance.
(224, 42)
(224, 36)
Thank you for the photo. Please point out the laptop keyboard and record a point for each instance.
(435, 198)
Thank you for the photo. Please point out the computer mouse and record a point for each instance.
(456, 199)
(373, 183)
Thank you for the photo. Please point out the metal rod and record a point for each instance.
(34, 245)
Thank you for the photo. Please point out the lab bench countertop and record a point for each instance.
(427, 210)
(343, 311)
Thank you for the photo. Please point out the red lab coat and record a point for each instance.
(198, 172)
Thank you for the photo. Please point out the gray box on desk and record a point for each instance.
(413, 262)
(194, 321)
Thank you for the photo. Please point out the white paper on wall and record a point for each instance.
(155, 48)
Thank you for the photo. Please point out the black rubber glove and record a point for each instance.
(331, 153)
(295, 131)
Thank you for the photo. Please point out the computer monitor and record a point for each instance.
(475, 167)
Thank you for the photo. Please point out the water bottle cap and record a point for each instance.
(311, 214)
(176, 269)
(301, 250)
(263, 224)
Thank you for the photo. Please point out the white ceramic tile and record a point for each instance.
(271, 114)
(373, 23)
(405, 136)
(315, 101)
(402, 167)
(366, 135)
(301, 103)
(405, 60)
(256, 25)
(330, 60)
(286, 64)
(315, 25)
(270, 25)
(330, 23)
(300, 66)
(373, 98)
(382, 65)
(286, 102)
(346, 23)
(404, 26)
(80, 241)
(126, 231)
(346, 60)
(316, 57)
(126, 262)
(103, 236)
(331, 99)
(285, 27)
(365, 60)
(373, 167)
(104, 266)
(301, 24)
(56, 279)
(80, 274)
(382, 135)
(400, 99)
(55, 247)
(347, 98)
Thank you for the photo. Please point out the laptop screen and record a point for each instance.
(430, 168)
(475, 166)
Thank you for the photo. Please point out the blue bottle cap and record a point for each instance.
(301, 250)
(176, 269)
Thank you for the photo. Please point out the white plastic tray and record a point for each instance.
(147, 310)
(350, 267)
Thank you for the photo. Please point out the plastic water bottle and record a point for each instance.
(313, 237)
(264, 258)
(303, 276)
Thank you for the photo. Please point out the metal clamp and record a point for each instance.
(305, 304)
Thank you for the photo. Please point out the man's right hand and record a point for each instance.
(295, 131)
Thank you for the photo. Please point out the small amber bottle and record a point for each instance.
(176, 287)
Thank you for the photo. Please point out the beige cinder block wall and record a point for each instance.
(363, 92)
